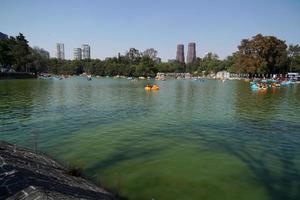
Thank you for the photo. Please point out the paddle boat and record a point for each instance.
(275, 84)
(258, 86)
(262, 87)
(254, 87)
(285, 82)
(151, 87)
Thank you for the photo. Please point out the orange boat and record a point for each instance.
(151, 87)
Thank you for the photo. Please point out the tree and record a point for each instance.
(37, 62)
(211, 56)
(133, 55)
(294, 50)
(45, 54)
(294, 58)
(230, 62)
(210, 63)
(151, 53)
(262, 54)
(20, 52)
(6, 57)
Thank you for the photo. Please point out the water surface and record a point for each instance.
(189, 140)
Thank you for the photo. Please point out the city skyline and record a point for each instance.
(180, 56)
(77, 54)
(60, 51)
(191, 53)
(116, 26)
(86, 51)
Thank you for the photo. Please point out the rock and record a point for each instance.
(26, 175)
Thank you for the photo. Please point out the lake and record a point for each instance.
(189, 140)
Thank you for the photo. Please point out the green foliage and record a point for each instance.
(294, 50)
(21, 52)
(294, 64)
(36, 62)
(6, 57)
(210, 63)
(294, 58)
(230, 63)
(133, 55)
(262, 54)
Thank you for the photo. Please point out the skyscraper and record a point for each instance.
(60, 51)
(191, 55)
(180, 53)
(86, 51)
(77, 53)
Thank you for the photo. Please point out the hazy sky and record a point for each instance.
(114, 26)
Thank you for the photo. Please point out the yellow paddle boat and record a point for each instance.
(154, 87)
(151, 87)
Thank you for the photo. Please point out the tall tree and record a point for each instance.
(262, 54)
(6, 57)
(230, 62)
(211, 62)
(294, 58)
(133, 55)
(294, 50)
(151, 53)
(21, 52)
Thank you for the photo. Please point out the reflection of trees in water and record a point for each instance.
(271, 157)
(18, 108)
(268, 147)
(260, 139)
(263, 142)
(128, 151)
(261, 105)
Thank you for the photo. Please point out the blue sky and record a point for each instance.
(114, 26)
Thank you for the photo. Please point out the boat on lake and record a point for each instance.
(149, 87)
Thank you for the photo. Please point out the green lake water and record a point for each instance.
(189, 140)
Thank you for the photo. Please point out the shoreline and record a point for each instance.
(25, 174)
(17, 75)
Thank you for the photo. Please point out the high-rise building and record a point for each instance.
(60, 51)
(180, 53)
(191, 54)
(77, 53)
(86, 51)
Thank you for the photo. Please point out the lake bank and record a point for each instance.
(17, 75)
(29, 175)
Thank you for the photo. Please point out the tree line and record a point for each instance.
(257, 55)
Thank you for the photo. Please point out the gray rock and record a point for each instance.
(26, 175)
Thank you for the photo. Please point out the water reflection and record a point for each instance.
(188, 135)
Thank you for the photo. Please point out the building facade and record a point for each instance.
(191, 54)
(60, 51)
(86, 51)
(180, 53)
(77, 54)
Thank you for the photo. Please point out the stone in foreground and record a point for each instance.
(26, 175)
